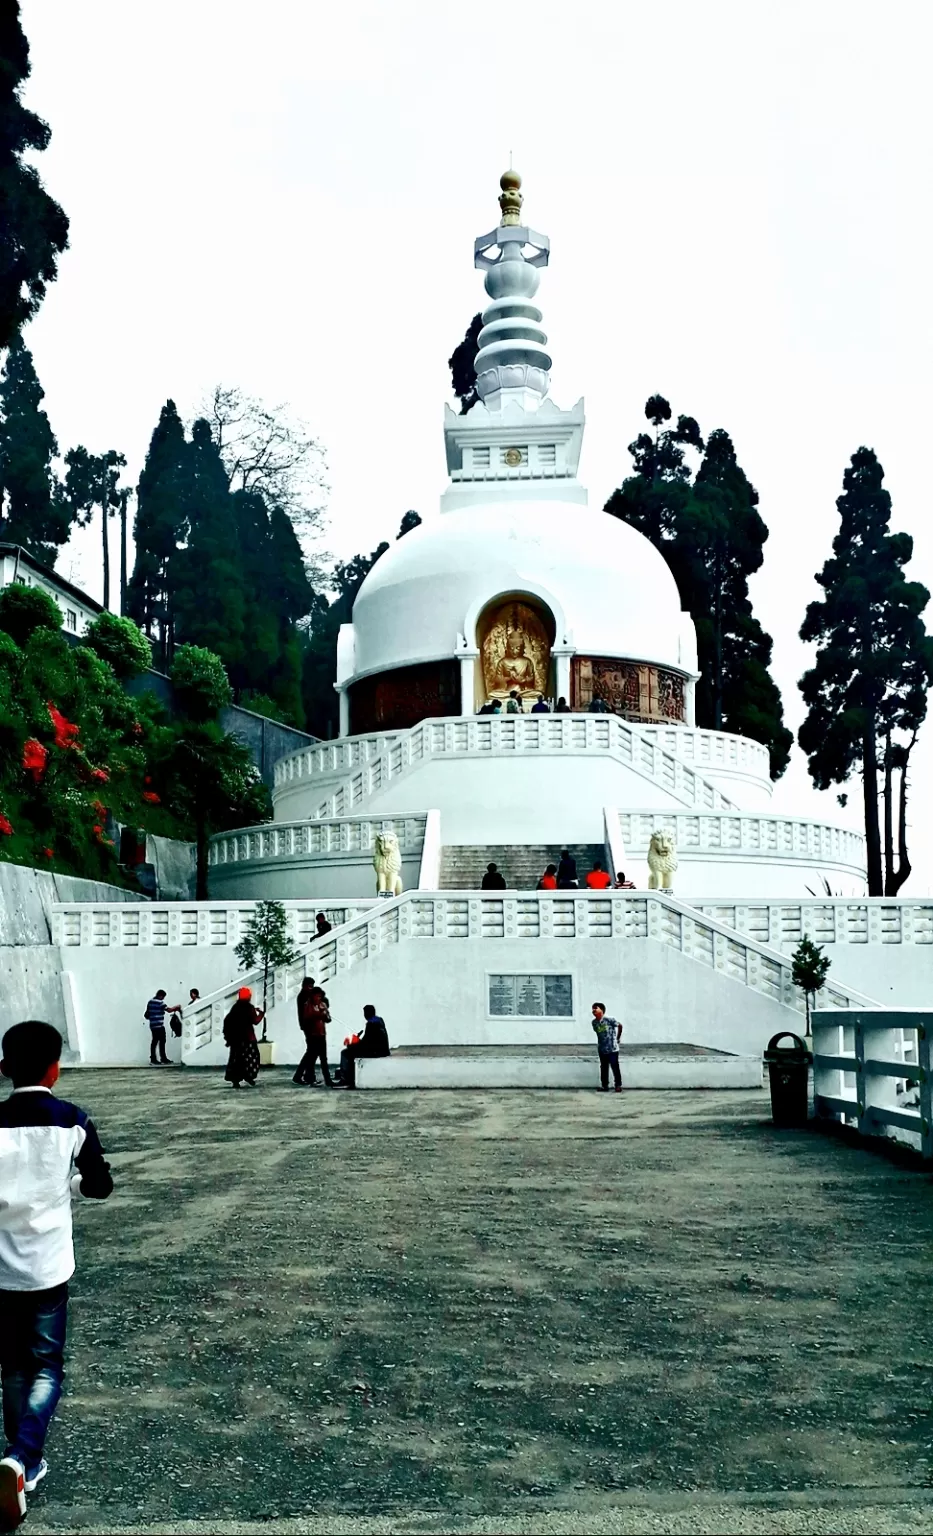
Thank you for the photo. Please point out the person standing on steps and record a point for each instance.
(49, 1152)
(608, 1035)
(156, 1009)
(313, 1019)
(322, 926)
(548, 881)
(567, 871)
(493, 880)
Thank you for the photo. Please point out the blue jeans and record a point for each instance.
(32, 1347)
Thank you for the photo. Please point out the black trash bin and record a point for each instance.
(789, 1071)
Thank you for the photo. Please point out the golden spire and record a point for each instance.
(511, 200)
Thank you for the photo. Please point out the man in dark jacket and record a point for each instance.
(374, 1041)
(313, 1019)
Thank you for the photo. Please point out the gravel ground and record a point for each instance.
(552, 1311)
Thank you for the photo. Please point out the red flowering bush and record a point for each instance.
(66, 734)
(48, 853)
(150, 797)
(6, 826)
(101, 775)
(35, 757)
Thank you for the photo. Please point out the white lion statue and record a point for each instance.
(662, 861)
(387, 862)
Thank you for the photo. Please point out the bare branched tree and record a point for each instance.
(267, 449)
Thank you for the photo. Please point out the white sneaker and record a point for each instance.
(12, 1493)
(32, 1482)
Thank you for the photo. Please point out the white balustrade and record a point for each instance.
(835, 920)
(383, 759)
(536, 915)
(315, 839)
(715, 750)
(863, 1060)
(747, 834)
(154, 925)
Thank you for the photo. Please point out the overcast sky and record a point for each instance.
(285, 197)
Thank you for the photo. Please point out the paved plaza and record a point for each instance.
(551, 1311)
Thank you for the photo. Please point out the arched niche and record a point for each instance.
(515, 634)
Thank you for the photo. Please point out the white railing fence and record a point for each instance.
(835, 920)
(863, 1061)
(162, 925)
(745, 833)
(315, 839)
(493, 735)
(545, 915)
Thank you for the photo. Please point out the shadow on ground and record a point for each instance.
(467, 1304)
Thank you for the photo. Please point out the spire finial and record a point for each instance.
(511, 199)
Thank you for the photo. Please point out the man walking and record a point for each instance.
(608, 1034)
(49, 1150)
(156, 1009)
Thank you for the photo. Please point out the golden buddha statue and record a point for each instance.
(515, 668)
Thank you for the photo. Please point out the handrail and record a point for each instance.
(315, 838)
(862, 1062)
(751, 833)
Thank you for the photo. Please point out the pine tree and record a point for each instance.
(207, 580)
(33, 513)
(159, 529)
(33, 229)
(721, 542)
(711, 535)
(866, 693)
(91, 481)
(462, 365)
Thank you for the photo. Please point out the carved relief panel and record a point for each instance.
(629, 688)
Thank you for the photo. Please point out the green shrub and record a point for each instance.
(201, 684)
(25, 609)
(121, 642)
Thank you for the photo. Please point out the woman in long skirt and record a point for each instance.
(240, 1036)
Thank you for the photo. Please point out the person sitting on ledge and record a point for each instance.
(541, 708)
(374, 1041)
(514, 706)
(548, 881)
(622, 884)
(598, 879)
(493, 880)
(562, 707)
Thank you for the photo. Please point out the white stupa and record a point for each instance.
(519, 592)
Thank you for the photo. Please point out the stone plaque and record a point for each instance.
(531, 997)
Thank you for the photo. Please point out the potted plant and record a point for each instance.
(809, 970)
(265, 942)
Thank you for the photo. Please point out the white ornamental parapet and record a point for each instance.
(834, 920)
(747, 834)
(484, 737)
(277, 840)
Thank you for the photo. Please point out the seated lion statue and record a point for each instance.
(387, 862)
(662, 861)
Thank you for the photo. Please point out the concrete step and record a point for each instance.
(555, 1066)
(522, 864)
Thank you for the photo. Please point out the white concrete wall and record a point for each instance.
(526, 798)
(334, 877)
(432, 992)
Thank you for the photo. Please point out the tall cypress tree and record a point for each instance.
(159, 528)
(33, 229)
(32, 511)
(866, 692)
(711, 535)
(208, 578)
(721, 542)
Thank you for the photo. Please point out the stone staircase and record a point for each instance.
(522, 864)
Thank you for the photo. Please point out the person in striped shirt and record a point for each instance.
(156, 1009)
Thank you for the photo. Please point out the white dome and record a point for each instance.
(609, 589)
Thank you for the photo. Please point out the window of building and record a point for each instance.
(71, 619)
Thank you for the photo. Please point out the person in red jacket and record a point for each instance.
(598, 879)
